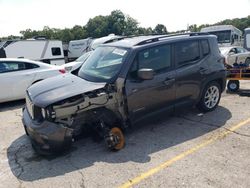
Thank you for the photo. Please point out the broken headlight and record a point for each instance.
(48, 113)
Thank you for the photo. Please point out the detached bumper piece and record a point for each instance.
(47, 137)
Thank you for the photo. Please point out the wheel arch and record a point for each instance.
(221, 81)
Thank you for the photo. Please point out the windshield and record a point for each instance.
(83, 57)
(103, 65)
(222, 36)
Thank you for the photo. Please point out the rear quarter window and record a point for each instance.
(205, 47)
(31, 66)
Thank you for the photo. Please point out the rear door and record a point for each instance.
(148, 96)
(191, 70)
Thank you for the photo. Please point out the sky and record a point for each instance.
(17, 15)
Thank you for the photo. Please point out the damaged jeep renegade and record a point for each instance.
(122, 83)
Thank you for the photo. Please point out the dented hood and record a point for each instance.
(60, 87)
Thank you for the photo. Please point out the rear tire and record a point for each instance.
(210, 97)
(233, 85)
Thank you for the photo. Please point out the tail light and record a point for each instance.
(62, 71)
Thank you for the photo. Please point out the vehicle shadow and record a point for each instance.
(145, 139)
(241, 92)
(11, 105)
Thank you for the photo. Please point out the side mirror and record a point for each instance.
(145, 74)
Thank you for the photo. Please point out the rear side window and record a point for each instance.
(205, 47)
(30, 66)
(156, 58)
(56, 51)
(186, 52)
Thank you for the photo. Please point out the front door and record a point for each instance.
(148, 96)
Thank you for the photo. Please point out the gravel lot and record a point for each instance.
(198, 150)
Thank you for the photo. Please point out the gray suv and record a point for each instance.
(122, 83)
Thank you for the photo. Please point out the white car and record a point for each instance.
(16, 75)
(236, 54)
(74, 67)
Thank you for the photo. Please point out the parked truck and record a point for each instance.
(227, 35)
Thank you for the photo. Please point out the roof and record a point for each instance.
(141, 40)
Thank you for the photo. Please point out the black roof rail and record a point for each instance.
(116, 39)
(157, 38)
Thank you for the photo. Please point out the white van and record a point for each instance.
(47, 51)
(77, 48)
(247, 39)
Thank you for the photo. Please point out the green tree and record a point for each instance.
(131, 26)
(79, 32)
(97, 26)
(193, 28)
(160, 29)
(116, 22)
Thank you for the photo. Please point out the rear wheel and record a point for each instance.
(210, 97)
(233, 85)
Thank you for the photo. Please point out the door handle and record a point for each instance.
(169, 81)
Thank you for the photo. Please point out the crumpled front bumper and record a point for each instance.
(46, 137)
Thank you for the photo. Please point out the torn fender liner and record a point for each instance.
(45, 93)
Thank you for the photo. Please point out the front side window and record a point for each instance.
(187, 52)
(16, 66)
(56, 51)
(11, 66)
(103, 64)
(156, 58)
(3, 67)
(233, 51)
